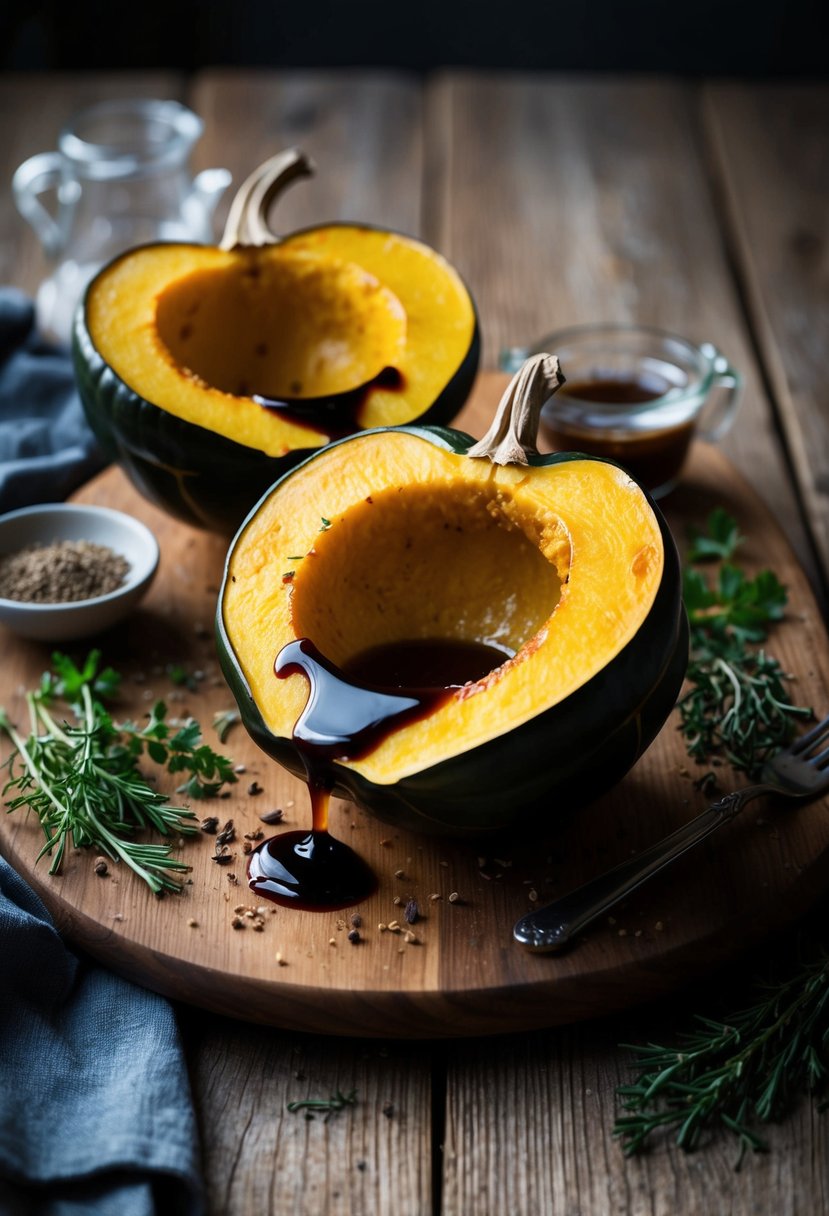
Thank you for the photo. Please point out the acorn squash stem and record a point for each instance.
(512, 438)
(247, 221)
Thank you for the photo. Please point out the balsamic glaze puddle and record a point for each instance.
(336, 415)
(348, 712)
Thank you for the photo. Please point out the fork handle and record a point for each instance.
(555, 926)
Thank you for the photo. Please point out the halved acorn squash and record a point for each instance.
(396, 535)
(206, 371)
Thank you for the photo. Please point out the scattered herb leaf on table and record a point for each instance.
(82, 778)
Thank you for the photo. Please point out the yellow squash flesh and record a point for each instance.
(560, 564)
(197, 330)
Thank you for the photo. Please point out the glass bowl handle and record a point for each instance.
(725, 390)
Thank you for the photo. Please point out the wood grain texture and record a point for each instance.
(262, 1158)
(769, 146)
(463, 975)
(573, 200)
(529, 1129)
(35, 109)
(362, 129)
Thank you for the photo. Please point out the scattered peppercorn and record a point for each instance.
(354, 936)
(101, 867)
(356, 920)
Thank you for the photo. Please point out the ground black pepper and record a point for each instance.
(62, 572)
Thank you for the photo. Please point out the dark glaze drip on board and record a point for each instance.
(347, 714)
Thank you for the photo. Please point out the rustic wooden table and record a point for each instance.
(701, 208)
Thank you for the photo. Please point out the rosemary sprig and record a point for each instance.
(736, 705)
(82, 778)
(736, 1074)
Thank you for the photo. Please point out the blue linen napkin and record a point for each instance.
(96, 1114)
(46, 447)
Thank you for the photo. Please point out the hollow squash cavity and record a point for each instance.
(423, 563)
(398, 535)
(291, 326)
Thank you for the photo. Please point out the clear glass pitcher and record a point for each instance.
(121, 179)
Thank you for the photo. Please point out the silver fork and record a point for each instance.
(799, 771)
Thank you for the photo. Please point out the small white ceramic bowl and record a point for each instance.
(42, 525)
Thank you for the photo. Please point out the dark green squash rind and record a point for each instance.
(200, 477)
(537, 774)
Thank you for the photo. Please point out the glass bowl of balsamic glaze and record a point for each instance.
(637, 395)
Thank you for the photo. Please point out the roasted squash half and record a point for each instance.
(398, 534)
(206, 371)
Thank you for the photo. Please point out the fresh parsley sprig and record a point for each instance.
(82, 778)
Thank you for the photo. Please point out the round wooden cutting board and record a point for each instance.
(463, 974)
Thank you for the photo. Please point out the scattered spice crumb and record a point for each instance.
(356, 920)
(255, 835)
(393, 926)
(659, 926)
(240, 768)
(354, 936)
(255, 788)
(445, 864)
(274, 816)
(397, 901)
(454, 897)
(226, 835)
(382, 928)
(410, 937)
(399, 874)
(332, 941)
(282, 962)
(388, 1110)
(386, 843)
(101, 868)
(233, 880)
(247, 847)
(223, 857)
(638, 933)
(622, 932)
(238, 923)
(434, 897)
(532, 895)
(193, 924)
(412, 912)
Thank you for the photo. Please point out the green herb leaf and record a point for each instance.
(82, 780)
(735, 1073)
(224, 721)
(719, 542)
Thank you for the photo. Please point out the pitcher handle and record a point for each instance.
(724, 397)
(37, 174)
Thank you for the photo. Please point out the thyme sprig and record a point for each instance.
(82, 778)
(737, 1074)
(736, 706)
